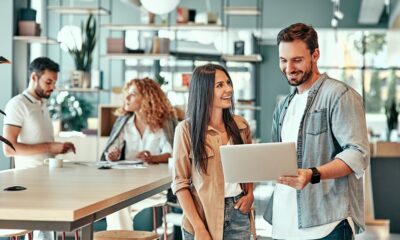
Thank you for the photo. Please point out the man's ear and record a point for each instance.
(315, 55)
(34, 77)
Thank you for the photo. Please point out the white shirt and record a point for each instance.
(232, 189)
(154, 142)
(285, 218)
(31, 115)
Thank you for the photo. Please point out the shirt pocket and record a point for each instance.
(316, 122)
(199, 179)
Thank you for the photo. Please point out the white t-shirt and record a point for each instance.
(154, 142)
(31, 115)
(285, 218)
(232, 189)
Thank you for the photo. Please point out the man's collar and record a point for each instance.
(315, 86)
(32, 99)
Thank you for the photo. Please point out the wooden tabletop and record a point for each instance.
(73, 192)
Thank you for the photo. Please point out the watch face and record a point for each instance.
(316, 176)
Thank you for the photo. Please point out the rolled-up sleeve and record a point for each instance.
(181, 174)
(350, 130)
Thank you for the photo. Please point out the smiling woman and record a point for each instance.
(198, 179)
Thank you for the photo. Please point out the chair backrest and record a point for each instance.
(125, 235)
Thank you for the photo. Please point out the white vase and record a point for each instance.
(80, 79)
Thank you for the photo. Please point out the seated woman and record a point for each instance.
(144, 130)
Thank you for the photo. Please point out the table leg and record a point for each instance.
(87, 232)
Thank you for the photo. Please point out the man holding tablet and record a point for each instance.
(326, 120)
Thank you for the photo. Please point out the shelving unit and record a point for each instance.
(249, 59)
(93, 95)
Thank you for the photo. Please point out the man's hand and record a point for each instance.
(298, 182)
(114, 154)
(244, 203)
(61, 148)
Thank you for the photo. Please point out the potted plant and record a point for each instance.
(82, 54)
(71, 110)
(3, 139)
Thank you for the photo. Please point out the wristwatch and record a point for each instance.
(316, 175)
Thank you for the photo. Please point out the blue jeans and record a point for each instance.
(341, 232)
(236, 223)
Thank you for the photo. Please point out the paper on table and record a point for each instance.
(135, 166)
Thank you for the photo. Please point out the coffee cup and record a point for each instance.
(54, 162)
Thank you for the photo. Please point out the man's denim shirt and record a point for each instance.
(333, 126)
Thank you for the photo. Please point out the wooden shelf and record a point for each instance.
(242, 11)
(202, 27)
(143, 27)
(183, 90)
(35, 39)
(156, 27)
(91, 90)
(138, 56)
(79, 10)
(242, 58)
(247, 107)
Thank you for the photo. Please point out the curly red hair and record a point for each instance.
(156, 108)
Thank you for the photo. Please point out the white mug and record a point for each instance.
(54, 162)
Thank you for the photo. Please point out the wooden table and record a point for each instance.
(75, 196)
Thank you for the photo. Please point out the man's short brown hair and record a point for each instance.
(299, 31)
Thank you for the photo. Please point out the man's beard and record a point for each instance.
(41, 93)
(307, 75)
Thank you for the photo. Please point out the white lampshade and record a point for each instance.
(160, 7)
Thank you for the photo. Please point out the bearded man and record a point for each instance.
(326, 119)
(27, 124)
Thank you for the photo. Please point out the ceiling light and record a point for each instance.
(334, 22)
(338, 14)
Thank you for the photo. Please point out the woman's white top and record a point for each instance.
(154, 142)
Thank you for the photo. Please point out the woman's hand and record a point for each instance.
(244, 203)
(202, 234)
(146, 157)
(114, 154)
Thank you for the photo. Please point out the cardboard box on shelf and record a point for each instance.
(115, 45)
(182, 15)
(28, 28)
(160, 45)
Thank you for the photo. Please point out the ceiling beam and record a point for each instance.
(371, 11)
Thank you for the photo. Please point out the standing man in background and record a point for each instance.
(28, 126)
(326, 120)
